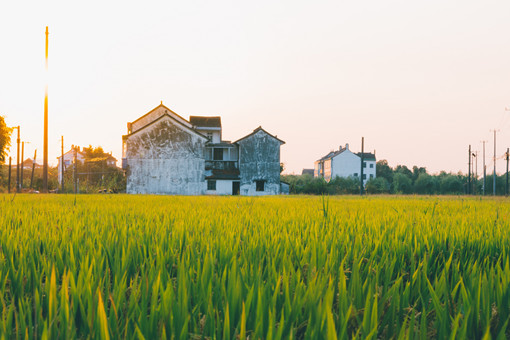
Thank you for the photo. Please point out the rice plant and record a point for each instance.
(150, 267)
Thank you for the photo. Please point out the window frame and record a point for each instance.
(211, 185)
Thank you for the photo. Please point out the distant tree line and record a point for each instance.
(398, 180)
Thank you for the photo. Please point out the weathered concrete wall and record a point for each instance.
(259, 160)
(223, 187)
(164, 158)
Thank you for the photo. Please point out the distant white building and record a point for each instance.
(345, 163)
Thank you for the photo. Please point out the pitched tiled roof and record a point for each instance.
(257, 130)
(202, 121)
(367, 156)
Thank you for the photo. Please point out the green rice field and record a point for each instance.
(149, 267)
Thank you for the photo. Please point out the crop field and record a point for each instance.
(119, 266)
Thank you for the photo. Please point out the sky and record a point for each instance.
(419, 80)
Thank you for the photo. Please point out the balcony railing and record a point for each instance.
(221, 165)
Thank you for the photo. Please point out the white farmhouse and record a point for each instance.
(345, 163)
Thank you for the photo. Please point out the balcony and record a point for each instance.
(221, 165)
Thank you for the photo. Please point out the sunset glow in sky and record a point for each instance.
(420, 80)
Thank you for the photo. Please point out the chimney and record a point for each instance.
(340, 148)
(129, 127)
(347, 146)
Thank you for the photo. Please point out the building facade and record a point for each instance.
(164, 153)
(345, 163)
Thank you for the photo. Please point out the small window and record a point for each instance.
(209, 136)
(364, 176)
(355, 174)
(371, 165)
(371, 176)
(364, 164)
(218, 154)
(259, 185)
(211, 185)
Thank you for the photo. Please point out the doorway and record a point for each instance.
(236, 188)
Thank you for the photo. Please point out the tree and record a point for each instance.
(5, 139)
(402, 184)
(378, 185)
(425, 184)
(92, 152)
(383, 170)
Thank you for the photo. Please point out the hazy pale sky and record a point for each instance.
(420, 80)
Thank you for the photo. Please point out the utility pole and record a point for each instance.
(475, 181)
(22, 164)
(33, 169)
(9, 180)
(361, 172)
(469, 171)
(494, 174)
(45, 149)
(17, 162)
(507, 156)
(62, 166)
(75, 170)
(484, 168)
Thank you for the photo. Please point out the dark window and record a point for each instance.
(371, 165)
(218, 154)
(355, 174)
(259, 185)
(364, 164)
(211, 185)
(364, 176)
(371, 176)
(209, 136)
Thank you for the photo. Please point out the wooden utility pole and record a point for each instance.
(33, 169)
(469, 170)
(361, 172)
(9, 180)
(22, 165)
(62, 166)
(45, 149)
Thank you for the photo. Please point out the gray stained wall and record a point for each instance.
(165, 158)
(259, 160)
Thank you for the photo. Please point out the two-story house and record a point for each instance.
(163, 153)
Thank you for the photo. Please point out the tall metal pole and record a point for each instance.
(33, 169)
(22, 164)
(361, 172)
(17, 164)
(45, 150)
(62, 166)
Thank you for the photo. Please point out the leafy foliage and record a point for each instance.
(5, 139)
